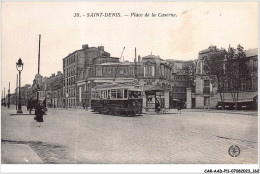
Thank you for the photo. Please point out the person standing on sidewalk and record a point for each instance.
(157, 106)
(179, 106)
(39, 111)
(30, 105)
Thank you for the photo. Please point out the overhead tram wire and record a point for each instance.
(118, 65)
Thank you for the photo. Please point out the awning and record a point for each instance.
(242, 97)
(153, 88)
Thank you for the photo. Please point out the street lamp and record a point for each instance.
(19, 67)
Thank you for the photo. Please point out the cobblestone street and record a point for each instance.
(78, 136)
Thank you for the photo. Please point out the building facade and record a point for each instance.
(180, 75)
(75, 62)
(149, 70)
(207, 93)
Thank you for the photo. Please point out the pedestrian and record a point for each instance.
(179, 106)
(30, 105)
(44, 102)
(39, 111)
(157, 106)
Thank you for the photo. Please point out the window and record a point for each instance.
(102, 94)
(249, 83)
(153, 71)
(108, 94)
(119, 93)
(99, 71)
(105, 95)
(149, 69)
(113, 93)
(206, 83)
(206, 89)
(125, 93)
(254, 83)
(121, 71)
(79, 94)
(206, 101)
(109, 71)
(135, 94)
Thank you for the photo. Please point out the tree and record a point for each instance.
(214, 67)
(225, 68)
(191, 74)
(236, 67)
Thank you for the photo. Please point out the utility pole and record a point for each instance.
(39, 54)
(8, 104)
(135, 65)
(16, 90)
(4, 97)
(118, 65)
(38, 86)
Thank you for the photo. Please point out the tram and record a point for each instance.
(117, 99)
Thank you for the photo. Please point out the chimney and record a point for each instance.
(85, 46)
(101, 48)
(139, 58)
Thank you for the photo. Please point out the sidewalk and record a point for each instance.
(241, 112)
(19, 154)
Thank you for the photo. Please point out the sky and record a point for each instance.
(196, 27)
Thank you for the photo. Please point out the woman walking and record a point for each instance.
(39, 111)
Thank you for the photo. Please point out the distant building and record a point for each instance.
(75, 62)
(206, 93)
(54, 90)
(180, 73)
(102, 73)
(149, 70)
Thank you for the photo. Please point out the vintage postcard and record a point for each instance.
(130, 83)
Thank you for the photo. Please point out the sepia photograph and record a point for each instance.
(130, 83)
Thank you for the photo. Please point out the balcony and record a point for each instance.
(206, 90)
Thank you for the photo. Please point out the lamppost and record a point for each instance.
(38, 75)
(8, 104)
(66, 102)
(19, 67)
(4, 97)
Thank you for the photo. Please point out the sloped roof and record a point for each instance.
(152, 57)
(155, 88)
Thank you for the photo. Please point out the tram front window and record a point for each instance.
(134, 94)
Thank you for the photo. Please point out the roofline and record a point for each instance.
(82, 50)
